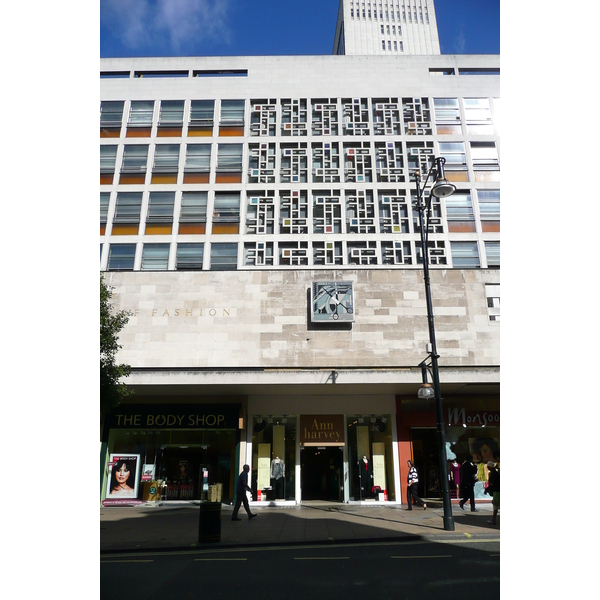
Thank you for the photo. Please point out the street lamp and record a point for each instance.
(441, 189)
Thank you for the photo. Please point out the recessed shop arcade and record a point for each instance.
(334, 457)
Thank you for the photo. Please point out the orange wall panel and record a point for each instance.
(231, 131)
(164, 178)
(128, 178)
(192, 228)
(457, 176)
(228, 178)
(490, 226)
(461, 226)
(225, 228)
(168, 132)
(200, 131)
(106, 178)
(159, 228)
(110, 133)
(125, 228)
(196, 177)
(135, 132)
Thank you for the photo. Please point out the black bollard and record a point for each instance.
(210, 522)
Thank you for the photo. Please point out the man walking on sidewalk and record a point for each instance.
(240, 492)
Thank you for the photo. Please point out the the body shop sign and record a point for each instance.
(176, 416)
(322, 430)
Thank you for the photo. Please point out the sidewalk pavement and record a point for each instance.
(175, 526)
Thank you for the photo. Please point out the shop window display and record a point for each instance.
(370, 462)
(191, 464)
(273, 457)
(478, 445)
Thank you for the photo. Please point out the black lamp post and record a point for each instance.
(440, 189)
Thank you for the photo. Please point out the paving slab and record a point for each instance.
(177, 525)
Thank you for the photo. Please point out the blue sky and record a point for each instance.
(267, 27)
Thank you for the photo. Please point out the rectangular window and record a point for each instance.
(111, 115)
(108, 156)
(489, 210)
(229, 163)
(484, 157)
(456, 160)
(140, 118)
(104, 202)
(202, 114)
(133, 168)
(464, 255)
(459, 212)
(121, 257)
(478, 115)
(223, 257)
(447, 115)
(492, 252)
(155, 257)
(166, 163)
(492, 293)
(197, 163)
(226, 213)
(192, 217)
(160, 213)
(189, 257)
(170, 120)
(127, 213)
(232, 118)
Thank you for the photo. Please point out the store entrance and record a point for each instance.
(179, 467)
(427, 461)
(321, 473)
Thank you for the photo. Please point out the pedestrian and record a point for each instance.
(240, 491)
(413, 479)
(494, 489)
(468, 477)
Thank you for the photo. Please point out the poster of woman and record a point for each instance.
(123, 476)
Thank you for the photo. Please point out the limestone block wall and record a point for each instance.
(237, 319)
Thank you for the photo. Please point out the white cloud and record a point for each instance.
(460, 43)
(177, 26)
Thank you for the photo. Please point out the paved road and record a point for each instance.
(426, 570)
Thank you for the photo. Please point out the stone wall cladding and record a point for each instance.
(262, 319)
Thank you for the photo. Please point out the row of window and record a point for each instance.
(293, 212)
(419, 13)
(224, 256)
(298, 117)
(295, 162)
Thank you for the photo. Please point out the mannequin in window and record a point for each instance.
(365, 474)
(277, 477)
(454, 471)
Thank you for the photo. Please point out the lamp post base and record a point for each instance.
(448, 523)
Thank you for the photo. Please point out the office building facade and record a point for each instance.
(257, 222)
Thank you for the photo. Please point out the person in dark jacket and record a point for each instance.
(240, 492)
(468, 477)
(494, 488)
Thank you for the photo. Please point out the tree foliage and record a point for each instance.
(112, 390)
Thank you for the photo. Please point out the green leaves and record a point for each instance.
(112, 391)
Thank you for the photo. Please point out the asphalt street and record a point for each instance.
(452, 569)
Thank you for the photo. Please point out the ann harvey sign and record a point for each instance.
(322, 430)
(176, 416)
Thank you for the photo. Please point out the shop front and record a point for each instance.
(170, 452)
(472, 434)
(333, 457)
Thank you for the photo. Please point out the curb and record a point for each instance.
(330, 542)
